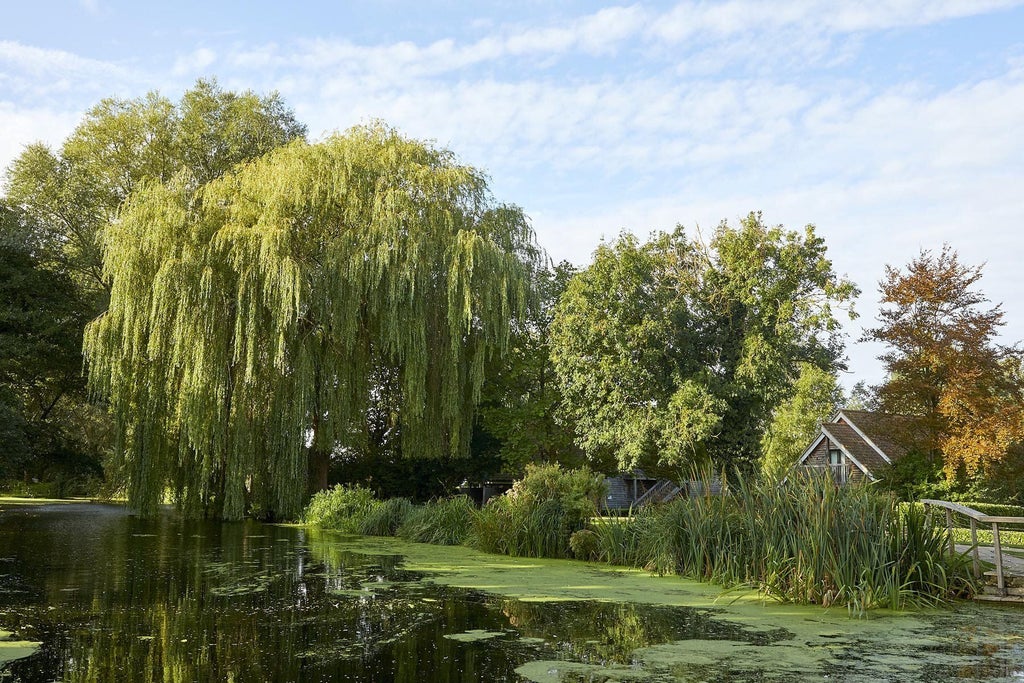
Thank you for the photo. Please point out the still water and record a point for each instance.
(109, 597)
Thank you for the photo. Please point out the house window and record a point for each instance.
(837, 464)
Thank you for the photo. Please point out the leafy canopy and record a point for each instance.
(678, 352)
(521, 398)
(74, 192)
(816, 394)
(944, 364)
(64, 199)
(276, 306)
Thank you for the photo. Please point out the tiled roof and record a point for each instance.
(881, 428)
(851, 442)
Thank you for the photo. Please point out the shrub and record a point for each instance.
(445, 521)
(537, 517)
(584, 545)
(343, 508)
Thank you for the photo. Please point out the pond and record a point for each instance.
(91, 593)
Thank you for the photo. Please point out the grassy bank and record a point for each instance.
(805, 542)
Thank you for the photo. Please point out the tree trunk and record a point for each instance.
(319, 464)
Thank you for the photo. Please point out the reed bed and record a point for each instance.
(806, 541)
(445, 521)
(386, 517)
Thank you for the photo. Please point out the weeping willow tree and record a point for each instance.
(255, 320)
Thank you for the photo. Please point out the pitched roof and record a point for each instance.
(849, 440)
(880, 430)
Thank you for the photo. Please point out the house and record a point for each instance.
(626, 488)
(855, 445)
(635, 489)
(481, 491)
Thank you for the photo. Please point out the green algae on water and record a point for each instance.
(473, 635)
(11, 649)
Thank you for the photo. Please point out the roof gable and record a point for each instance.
(865, 437)
(863, 455)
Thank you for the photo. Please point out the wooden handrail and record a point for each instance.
(976, 517)
(972, 513)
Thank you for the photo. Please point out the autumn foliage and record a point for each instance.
(945, 365)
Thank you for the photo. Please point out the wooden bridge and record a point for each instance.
(1006, 582)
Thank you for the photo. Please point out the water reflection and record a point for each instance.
(114, 598)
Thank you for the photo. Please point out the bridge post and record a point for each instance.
(1000, 582)
(949, 530)
(974, 543)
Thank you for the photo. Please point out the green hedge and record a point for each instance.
(1007, 539)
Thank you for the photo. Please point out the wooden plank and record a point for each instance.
(972, 513)
(949, 531)
(1002, 520)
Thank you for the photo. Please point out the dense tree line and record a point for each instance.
(262, 315)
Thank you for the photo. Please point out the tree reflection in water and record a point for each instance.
(114, 598)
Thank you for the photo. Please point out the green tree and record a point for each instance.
(255, 321)
(73, 193)
(816, 394)
(41, 323)
(521, 398)
(945, 366)
(676, 352)
(68, 197)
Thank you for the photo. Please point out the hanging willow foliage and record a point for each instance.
(255, 320)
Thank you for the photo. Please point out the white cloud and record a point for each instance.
(26, 61)
(195, 63)
(23, 126)
(717, 20)
(36, 79)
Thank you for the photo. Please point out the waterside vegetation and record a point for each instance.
(805, 541)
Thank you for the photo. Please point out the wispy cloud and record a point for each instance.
(195, 63)
(34, 72)
(22, 126)
(717, 20)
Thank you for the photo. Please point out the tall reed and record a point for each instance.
(386, 517)
(806, 541)
(445, 521)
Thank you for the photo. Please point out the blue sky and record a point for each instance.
(891, 126)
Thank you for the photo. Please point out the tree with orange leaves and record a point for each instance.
(945, 366)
